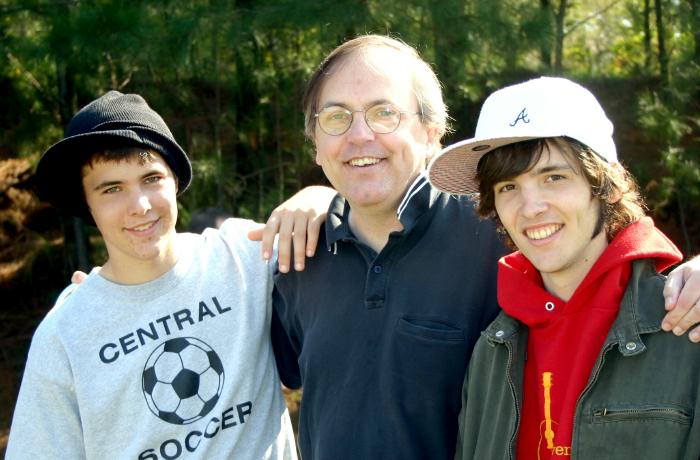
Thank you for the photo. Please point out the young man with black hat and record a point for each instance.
(165, 352)
(577, 364)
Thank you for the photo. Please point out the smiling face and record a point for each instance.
(553, 219)
(133, 204)
(372, 171)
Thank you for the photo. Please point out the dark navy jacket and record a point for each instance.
(380, 342)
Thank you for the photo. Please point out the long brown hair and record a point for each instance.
(620, 201)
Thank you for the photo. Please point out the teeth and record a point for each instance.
(542, 232)
(364, 161)
(143, 227)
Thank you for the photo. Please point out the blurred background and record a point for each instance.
(227, 76)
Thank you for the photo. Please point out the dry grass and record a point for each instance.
(4, 433)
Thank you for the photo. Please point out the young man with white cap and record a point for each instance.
(165, 352)
(576, 365)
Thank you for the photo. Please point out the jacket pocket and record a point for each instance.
(643, 431)
(668, 413)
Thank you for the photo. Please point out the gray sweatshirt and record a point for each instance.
(179, 367)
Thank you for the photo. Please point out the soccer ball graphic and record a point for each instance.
(182, 380)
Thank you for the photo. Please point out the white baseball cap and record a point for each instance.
(538, 108)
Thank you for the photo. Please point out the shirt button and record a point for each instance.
(631, 346)
(500, 334)
(377, 269)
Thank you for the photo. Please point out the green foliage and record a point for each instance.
(228, 75)
(671, 116)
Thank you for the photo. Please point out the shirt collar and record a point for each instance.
(418, 199)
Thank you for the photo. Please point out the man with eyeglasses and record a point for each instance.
(381, 353)
(379, 326)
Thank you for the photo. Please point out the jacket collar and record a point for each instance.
(641, 312)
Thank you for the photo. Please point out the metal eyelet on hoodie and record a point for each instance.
(549, 306)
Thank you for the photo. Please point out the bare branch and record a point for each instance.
(593, 15)
(29, 76)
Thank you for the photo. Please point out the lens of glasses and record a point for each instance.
(335, 120)
(381, 118)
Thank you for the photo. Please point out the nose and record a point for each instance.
(359, 131)
(139, 203)
(533, 202)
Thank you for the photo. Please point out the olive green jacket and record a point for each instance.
(642, 400)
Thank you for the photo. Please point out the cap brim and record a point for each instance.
(453, 170)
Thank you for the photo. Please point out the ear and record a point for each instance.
(316, 159)
(433, 137)
(432, 145)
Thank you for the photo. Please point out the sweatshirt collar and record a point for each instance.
(641, 312)
(521, 291)
(641, 308)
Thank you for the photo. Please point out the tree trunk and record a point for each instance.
(647, 36)
(663, 56)
(695, 27)
(546, 47)
(75, 242)
(219, 176)
(559, 38)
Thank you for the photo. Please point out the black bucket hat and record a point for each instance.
(111, 121)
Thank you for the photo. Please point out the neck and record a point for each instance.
(373, 229)
(138, 272)
(563, 283)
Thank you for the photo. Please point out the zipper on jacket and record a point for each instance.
(594, 378)
(676, 413)
(509, 347)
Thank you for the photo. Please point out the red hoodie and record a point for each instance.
(566, 337)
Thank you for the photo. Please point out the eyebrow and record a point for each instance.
(112, 183)
(550, 168)
(367, 106)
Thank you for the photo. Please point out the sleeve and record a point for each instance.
(235, 230)
(285, 342)
(46, 422)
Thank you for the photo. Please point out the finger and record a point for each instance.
(672, 288)
(312, 235)
(690, 319)
(78, 277)
(257, 233)
(268, 236)
(284, 242)
(299, 238)
(694, 335)
(684, 311)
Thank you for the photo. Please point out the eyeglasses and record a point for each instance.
(381, 118)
